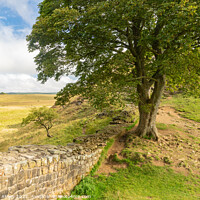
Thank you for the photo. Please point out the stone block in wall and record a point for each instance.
(29, 182)
(63, 165)
(24, 165)
(28, 174)
(53, 183)
(70, 175)
(20, 193)
(31, 164)
(12, 190)
(50, 160)
(74, 167)
(30, 189)
(16, 167)
(21, 185)
(51, 168)
(45, 170)
(21, 176)
(60, 180)
(30, 195)
(35, 180)
(66, 163)
(42, 179)
(12, 180)
(36, 172)
(41, 185)
(44, 161)
(8, 169)
(59, 165)
(3, 182)
(54, 175)
(69, 185)
(48, 177)
(55, 167)
(56, 158)
(38, 162)
(82, 162)
(59, 173)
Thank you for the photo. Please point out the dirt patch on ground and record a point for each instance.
(170, 116)
(110, 166)
(178, 146)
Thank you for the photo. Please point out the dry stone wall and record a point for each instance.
(43, 172)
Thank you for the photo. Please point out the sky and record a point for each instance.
(17, 67)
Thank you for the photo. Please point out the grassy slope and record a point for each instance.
(146, 181)
(73, 121)
(189, 107)
(139, 183)
(15, 107)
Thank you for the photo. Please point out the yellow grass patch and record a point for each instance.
(13, 108)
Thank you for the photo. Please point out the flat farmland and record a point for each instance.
(14, 107)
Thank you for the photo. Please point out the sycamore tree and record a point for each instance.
(117, 48)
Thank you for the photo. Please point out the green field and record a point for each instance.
(14, 107)
(26, 100)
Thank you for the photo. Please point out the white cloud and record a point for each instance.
(15, 57)
(23, 8)
(17, 65)
(27, 83)
(4, 18)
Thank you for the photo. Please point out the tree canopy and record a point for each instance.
(42, 116)
(119, 47)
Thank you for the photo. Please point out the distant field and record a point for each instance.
(26, 100)
(14, 107)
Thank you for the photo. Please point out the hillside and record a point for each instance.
(137, 168)
(134, 168)
(75, 119)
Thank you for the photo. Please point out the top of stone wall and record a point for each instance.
(29, 156)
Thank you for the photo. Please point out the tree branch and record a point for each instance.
(130, 42)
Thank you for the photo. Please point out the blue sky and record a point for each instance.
(17, 68)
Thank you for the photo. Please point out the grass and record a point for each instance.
(17, 100)
(138, 183)
(189, 107)
(102, 157)
(142, 180)
(73, 121)
(132, 125)
(15, 107)
(162, 126)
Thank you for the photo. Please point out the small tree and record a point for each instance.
(42, 116)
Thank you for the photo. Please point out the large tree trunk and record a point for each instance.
(148, 107)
